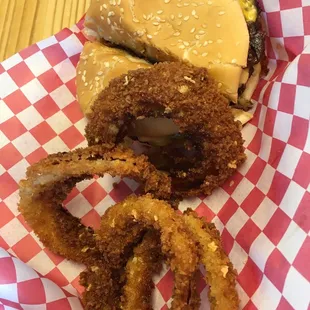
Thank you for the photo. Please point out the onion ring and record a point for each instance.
(84, 163)
(191, 99)
(135, 279)
(145, 262)
(185, 239)
(220, 274)
(177, 246)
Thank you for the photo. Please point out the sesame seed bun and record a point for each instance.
(211, 34)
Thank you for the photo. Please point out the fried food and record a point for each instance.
(84, 163)
(176, 245)
(141, 267)
(189, 97)
(220, 274)
(122, 256)
(134, 281)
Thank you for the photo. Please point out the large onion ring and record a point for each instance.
(191, 99)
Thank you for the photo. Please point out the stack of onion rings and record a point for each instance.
(133, 238)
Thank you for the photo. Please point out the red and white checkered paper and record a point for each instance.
(263, 211)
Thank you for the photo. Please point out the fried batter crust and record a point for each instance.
(191, 99)
(84, 163)
(220, 274)
(48, 183)
(145, 262)
(177, 246)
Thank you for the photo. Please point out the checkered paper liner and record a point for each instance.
(263, 211)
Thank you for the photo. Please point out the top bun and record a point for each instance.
(210, 33)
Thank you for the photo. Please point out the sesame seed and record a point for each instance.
(172, 17)
(111, 13)
(167, 1)
(186, 4)
(210, 41)
(197, 37)
(97, 78)
(83, 78)
(177, 33)
(204, 54)
(219, 41)
(179, 23)
(221, 13)
(219, 85)
(107, 64)
(193, 30)
(149, 36)
(144, 16)
(201, 32)
(234, 61)
(99, 73)
(204, 26)
(155, 33)
(94, 62)
(186, 43)
(101, 8)
(210, 2)
(122, 10)
(80, 72)
(86, 84)
(91, 87)
(180, 15)
(196, 16)
(179, 5)
(218, 25)
(102, 18)
(135, 20)
(182, 47)
(195, 52)
(186, 18)
(160, 12)
(194, 4)
(84, 72)
(119, 2)
(193, 12)
(156, 23)
(105, 6)
(109, 21)
(187, 78)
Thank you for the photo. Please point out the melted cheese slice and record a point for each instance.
(209, 33)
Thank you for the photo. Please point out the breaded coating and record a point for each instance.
(145, 262)
(189, 97)
(220, 274)
(176, 245)
(84, 163)
(103, 288)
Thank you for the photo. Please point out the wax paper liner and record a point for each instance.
(263, 211)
